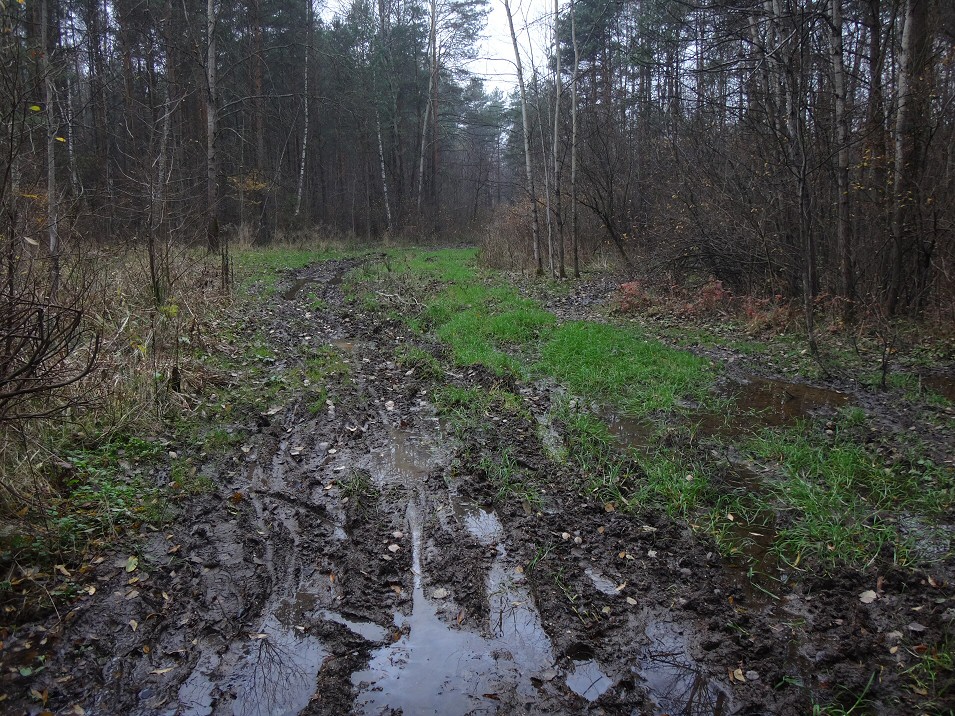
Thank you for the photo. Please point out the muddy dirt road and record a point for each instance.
(359, 555)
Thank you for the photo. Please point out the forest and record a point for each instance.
(617, 379)
(791, 148)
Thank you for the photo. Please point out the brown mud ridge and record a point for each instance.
(359, 560)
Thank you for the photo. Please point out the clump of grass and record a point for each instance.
(468, 409)
(359, 488)
(510, 481)
(423, 363)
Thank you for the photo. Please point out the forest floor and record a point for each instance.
(406, 485)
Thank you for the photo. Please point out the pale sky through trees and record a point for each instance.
(495, 62)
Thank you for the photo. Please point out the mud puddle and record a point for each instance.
(272, 672)
(675, 682)
(437, 666)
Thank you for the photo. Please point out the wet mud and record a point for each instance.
(359, 559)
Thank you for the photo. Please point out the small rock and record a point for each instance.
(752, 675)
(440, 593)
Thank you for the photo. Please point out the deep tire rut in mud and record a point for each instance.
(357, 557)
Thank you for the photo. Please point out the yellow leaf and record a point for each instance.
(36, 108)
(60, 139)
(132, 563)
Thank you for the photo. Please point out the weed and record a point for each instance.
(508, 479)
(358, 487)
(933, 675)
(857, 705)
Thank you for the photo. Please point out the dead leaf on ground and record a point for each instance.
(868, 596)
(132, 563)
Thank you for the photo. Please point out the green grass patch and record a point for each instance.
(621, 366)
(842, 502)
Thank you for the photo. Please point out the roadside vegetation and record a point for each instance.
(820, 491)
(171, 386)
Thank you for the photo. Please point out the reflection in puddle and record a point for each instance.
(674, 681)
(483, 526)
(297, 286)
(273, 673)
(588, 680)
(436, 669)
(600, 582)
(763, 403)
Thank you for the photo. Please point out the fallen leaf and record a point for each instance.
(162, 671)
(738, 675)
(61, 568)
(621, 587)
(868, 596)
(609, 507)
(133, 593)
(916, 627)
(893, 650)
(131, 564)
(934, 582)
(78, 710)
(393, 548)
(439, 593)
(631, 601)
(606, 610)
(133, 624)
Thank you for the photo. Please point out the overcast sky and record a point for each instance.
(496, 63)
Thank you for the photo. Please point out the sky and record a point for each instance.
(496, 53)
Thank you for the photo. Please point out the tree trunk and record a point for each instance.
(558, 216)
(910, 138)
(843, 220)
(528, 165)
(212, 178)
(52, 204)
(575, 231)
(306, 101)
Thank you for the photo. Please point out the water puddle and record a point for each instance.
(298, 284)
(586, 678)
(600, 582)
(764, 403)
(271, 673)
(630, 432)
(674, 681)
(407, 458)
(484, 526)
